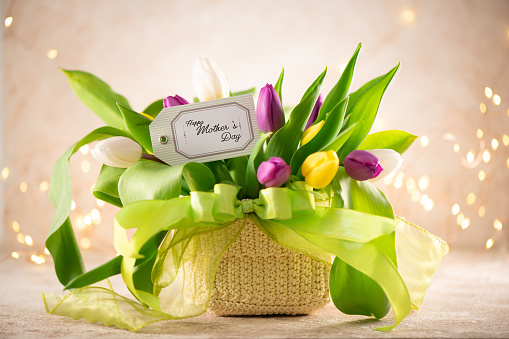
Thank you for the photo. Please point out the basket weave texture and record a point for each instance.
(257, 276)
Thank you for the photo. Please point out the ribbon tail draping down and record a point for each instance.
(202, 226)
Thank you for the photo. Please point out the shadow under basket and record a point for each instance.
(257, 276)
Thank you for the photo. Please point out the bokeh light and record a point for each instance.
(52, 53)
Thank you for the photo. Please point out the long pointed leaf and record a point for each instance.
(340, 90)
(138, 125)
(60, 241)
(337, 143)
(104, 271)
(396, 140)
(98, 96)
(362, 108)
(251, 91)
(279, 86)
(154, 108)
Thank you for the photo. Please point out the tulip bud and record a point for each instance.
(269, 113)
(314, 112)
(320, 168)
(311, 132)
(390, 161)
(117, 152)
(209, 81)
(274, 172)
(177, 100)
(362, 165)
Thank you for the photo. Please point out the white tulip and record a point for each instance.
(209, 81)
(117, 152)
(390, 161)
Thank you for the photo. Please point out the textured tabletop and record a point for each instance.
(469, 297)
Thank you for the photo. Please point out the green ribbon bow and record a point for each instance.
(202, 227)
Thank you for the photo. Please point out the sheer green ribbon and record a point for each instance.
(203, 225)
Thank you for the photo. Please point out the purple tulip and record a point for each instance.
(177, 100)
(314, 112)
(274, 172)
(362, 165)
(269, 113)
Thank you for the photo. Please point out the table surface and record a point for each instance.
(469, 298)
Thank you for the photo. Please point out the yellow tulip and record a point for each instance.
(311, 132)
(320, 168)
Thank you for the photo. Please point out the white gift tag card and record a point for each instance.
(205, 131)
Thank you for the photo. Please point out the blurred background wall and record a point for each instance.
(452, 90)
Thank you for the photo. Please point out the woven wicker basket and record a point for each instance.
(256, 276)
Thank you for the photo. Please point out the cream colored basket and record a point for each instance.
(256, 276)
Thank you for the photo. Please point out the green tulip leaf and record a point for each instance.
(285, 141)
(340, 140)
(138, 125)
(361, 196)
(314, 90)
(362, 108)
(325, 136)
(112, 267)
(106, 187)
(255, 159)
(352, 291)
(396, 140)
(251, 91)
(60, 241)
(143, 267)
(104, 271)
(151, 180)
(154, 108)
(98, 96)
(279, 86)
(220, 171)
(237, 168)
(340, 90)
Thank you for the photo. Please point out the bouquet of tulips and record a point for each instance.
(307, 185)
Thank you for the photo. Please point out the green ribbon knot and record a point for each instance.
(247, 206)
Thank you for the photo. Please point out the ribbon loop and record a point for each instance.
(282, 203)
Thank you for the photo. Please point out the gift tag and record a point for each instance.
(205, 131)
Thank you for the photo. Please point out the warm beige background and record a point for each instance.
(144, 49)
